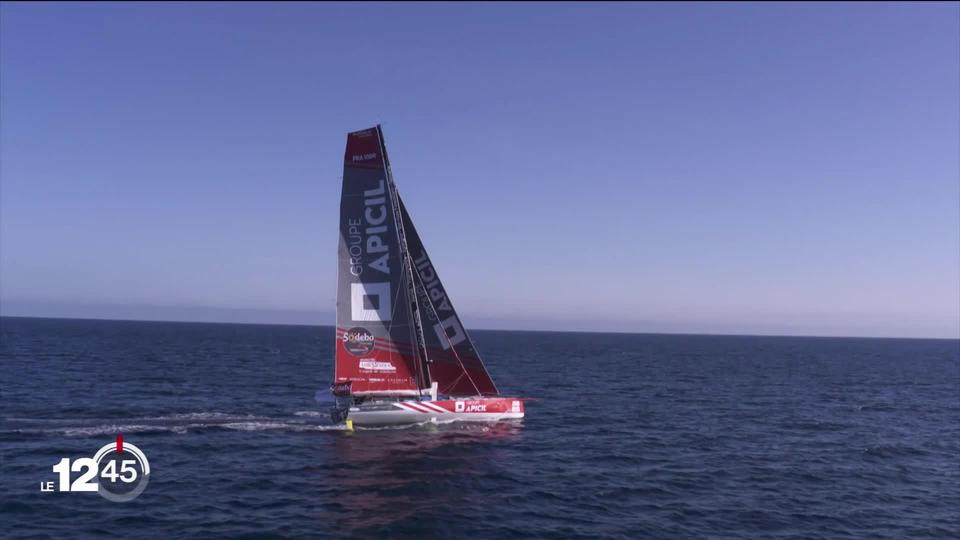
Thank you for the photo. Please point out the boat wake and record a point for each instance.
(199, 422)
(181, 423)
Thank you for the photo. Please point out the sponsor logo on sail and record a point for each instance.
(358, 341)
(376, 365)
(449, 331)
(368, 236)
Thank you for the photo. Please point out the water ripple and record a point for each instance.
(633, 437)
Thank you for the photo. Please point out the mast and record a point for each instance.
(413, 307)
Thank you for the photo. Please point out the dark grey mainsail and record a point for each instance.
(376, 349)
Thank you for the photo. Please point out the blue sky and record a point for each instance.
(785, 169)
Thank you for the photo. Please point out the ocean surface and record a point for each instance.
(630, 436)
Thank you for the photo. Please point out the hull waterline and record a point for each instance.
(396, 413)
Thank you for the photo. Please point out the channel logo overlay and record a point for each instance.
(118, 471)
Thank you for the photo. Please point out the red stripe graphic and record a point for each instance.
(433, 407)
(417, 407)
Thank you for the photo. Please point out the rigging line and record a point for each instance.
(459, 320)
(419, 338)
(457, 380)
(447, 338)
(404, 260)
(393, 313)
(420, 343)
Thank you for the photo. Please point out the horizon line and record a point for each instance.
(711, 334)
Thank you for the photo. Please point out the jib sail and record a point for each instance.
(453, 361)
(376, 349)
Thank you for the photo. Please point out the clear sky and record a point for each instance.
(753, 168)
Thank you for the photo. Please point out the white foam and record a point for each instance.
(107, 429)
(179, 423)
(283, 426)
(312, 414)
(200, 416)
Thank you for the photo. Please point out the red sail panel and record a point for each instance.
(374, 332)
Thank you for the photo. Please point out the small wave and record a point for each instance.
(893, 450)
(204, 415)
(877, 407)
(312, 414)
(815, 425)
(113, 429)
(200, 416)
(281, 426)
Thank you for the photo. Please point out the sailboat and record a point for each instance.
(402, 353)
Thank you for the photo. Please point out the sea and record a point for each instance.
(626, 436)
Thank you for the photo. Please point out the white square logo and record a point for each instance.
(370, 301)
(449, 332)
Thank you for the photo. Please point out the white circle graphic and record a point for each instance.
(144, 466)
